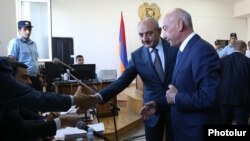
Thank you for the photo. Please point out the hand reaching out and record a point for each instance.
(52, 115)
(83, 101)
(148, 110)
(69, 120)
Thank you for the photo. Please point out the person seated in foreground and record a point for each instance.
(29, 125)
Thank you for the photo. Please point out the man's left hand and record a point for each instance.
(171, 93)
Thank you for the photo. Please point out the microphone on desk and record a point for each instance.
(57, 61)
(83, 126)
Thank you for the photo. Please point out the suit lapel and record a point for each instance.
(147, 61)
(180, 60)
(167, 56)
(145, 56)
(183, 56)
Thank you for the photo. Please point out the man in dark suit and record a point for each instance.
(27, 125)
(15, 128)
(155, 84)
(192, 93)
(235, 85)
(16, 95)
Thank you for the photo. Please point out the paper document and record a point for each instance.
(88, 114)
(72, 110)
(74, 132)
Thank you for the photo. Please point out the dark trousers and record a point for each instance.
(239, 114)
(36, 84)
(156, 133)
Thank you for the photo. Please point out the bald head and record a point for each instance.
(177, 25)
(240, 46)
(181, 15)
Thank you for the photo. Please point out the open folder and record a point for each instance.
(74, 132)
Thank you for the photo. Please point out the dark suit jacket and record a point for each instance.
(16, 128)
(13, 94)
(235, 83)
(141, 63)
(30, 115)
(196, 76)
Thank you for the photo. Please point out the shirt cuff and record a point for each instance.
(58, 123)
(174, 99)
(100, 97)
(72, 100)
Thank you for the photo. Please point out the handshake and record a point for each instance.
(84, 102)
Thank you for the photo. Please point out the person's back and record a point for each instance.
(235, 87)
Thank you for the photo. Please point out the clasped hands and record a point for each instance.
(84, 102)
(149, 108)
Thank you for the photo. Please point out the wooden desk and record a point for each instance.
(70, 88)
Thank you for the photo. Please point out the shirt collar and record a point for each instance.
(158, 46)
(25, 40)
(184, 43)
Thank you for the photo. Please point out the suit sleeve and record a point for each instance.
(13, 49)
(201, 92)
(120, 84)
(30, 115)
(34, 129)
(22, 129)
(15, 94)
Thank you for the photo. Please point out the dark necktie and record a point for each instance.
(178, 58)
(158, 65)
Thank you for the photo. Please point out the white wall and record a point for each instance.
(7, 24)
(94, 24)
(242, 11)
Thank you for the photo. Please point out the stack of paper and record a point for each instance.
(72, 110)
(88, 116)
(74, 132)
